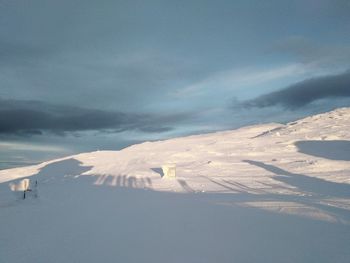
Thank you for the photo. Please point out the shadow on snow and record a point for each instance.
(334, 150)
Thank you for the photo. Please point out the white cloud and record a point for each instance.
(235, 79)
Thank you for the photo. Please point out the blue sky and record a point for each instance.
(85, 75)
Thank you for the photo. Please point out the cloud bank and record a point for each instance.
(305, 92)
(21, 117)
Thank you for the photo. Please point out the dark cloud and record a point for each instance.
(305, 92)
(35, 118)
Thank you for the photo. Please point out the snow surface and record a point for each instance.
(264, 193)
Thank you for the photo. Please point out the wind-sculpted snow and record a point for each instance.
(265, 193)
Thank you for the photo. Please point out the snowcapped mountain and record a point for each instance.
(263, 193)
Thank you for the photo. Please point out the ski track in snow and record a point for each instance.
(264, 193)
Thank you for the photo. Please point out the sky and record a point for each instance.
(82, 75)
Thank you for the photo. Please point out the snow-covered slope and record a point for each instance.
(247, 195)
(316, 146)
